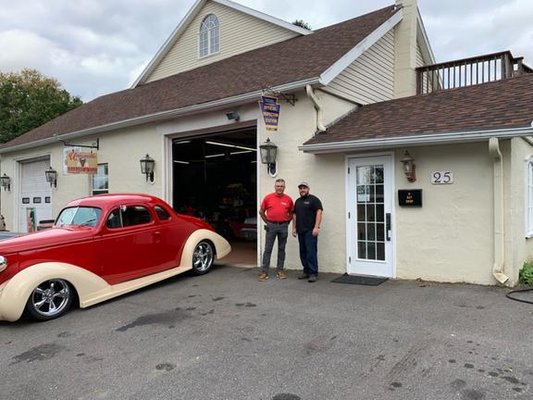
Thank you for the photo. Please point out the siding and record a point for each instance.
(420, 62)
(370, 78)
(239, 32)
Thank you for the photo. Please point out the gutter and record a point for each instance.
(316, 102)
(418, 140)
(161, 116)
(499, 223)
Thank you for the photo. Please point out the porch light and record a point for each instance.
(5, 182)
(51, 176)
(147, 168)
(409, 167)
(269, 152)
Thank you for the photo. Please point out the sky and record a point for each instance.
(95, 47)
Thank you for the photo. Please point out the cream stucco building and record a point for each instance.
(354, 101)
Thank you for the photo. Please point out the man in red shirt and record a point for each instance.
(276, 211)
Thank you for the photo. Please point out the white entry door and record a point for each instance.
(370, 240)
(35, 195)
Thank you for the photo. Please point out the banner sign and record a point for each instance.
(270, 110)
(78, 161)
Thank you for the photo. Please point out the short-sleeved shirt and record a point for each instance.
(277, 208)
(305, 209)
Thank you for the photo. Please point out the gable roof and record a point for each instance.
(189, 17)
(473, 113)
(286, 65)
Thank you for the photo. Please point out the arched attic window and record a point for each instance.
(209, 39)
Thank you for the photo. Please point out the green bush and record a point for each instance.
(526, 273)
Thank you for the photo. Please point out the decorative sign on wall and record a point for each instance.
(78, 161)
(442, 177)
(410, 198)
(270, 110)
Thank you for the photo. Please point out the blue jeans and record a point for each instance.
(308, 252)
(274, 231)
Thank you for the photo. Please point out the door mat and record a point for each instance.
(360, 280)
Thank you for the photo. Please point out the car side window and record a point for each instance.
(135, 215)
(113, 219)
(162, 214)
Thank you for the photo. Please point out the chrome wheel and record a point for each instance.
(202, 258)
(50, 299)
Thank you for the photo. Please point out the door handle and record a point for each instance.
(388, 226)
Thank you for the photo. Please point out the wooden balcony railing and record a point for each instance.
(469, 71)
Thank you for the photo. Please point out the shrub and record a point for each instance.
(526, 273)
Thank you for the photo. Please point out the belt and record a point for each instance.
(278, 222)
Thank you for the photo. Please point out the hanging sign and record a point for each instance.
(270, 110)
(78, 161)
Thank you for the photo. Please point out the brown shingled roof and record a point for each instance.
(503, 104)
(300, 58)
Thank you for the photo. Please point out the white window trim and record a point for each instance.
(209, 50)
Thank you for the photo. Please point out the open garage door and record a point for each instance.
(214, 178)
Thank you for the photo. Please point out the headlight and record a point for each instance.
(3, 263)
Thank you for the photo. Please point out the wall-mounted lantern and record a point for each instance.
(147, 167)
(269, 152)
(5, 182)
(51, 176)
(409, 167)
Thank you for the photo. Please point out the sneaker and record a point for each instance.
(263, 276)
(303, 276)
(281, 275)
(312, 278)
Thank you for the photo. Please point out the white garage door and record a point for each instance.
(35, 197)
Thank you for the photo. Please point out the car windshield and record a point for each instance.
(85, 216)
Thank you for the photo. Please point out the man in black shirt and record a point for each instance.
(306, 223)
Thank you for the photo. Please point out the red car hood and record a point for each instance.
(46, 238)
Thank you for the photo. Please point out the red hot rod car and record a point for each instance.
(101, 247)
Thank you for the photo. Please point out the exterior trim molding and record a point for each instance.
(342, 63)
(418, 140)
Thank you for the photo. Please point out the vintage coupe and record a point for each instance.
(101, 247)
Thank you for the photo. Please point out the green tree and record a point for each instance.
(302, 24)
(28, 100)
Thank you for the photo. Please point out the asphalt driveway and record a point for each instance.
(226, 336)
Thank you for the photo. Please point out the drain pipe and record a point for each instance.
(319, 125)
(499, 237)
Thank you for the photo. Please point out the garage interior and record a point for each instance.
(214, 178)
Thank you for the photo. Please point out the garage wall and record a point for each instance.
(518, 247)
(121, 149)
(450, 237)
(325, 174)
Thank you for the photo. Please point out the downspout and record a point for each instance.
(499, 233)
(319, 125)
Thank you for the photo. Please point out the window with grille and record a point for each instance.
(101, 180)
(209, 38)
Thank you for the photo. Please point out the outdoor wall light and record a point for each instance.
(5, 182)
(147, 168)
(269, 152)
(233, 116)
(51, 176)
(409, 167)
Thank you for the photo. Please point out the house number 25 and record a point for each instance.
(441, 177)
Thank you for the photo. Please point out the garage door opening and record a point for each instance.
(215, 179)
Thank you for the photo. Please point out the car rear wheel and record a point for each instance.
(202, 258)
(50, 300)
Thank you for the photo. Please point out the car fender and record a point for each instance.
(222, 246)
(16, 291)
